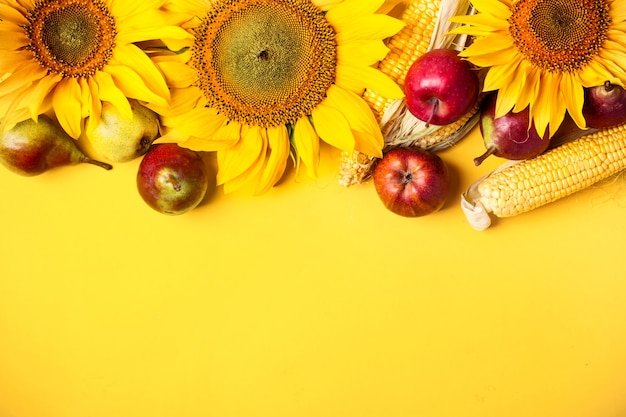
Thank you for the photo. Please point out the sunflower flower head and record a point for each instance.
(276, 76)
(541, 54)
(67, 57)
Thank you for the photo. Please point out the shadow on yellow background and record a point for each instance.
(311, 300)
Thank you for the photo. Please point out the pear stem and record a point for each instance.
(97, 163)
(479, 160)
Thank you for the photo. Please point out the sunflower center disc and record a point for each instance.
(559, 35)
(72, 37)
(265, 63)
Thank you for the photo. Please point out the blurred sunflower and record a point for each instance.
(69, 56)
(542, 53)
(274, 77)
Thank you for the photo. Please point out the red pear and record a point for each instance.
(33, 147)
(605, 106)
(511, 136)
(172, 179)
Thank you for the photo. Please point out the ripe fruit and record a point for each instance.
(411, 182)
(118, 139)
(33, 147)
(440, 87)
(172, 179)
(604, 106)
(509, 136)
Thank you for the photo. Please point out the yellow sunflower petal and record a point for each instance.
(27, 74)
(494, 43)
(499, 75)
(617, 34)
(529, 89)
(388, 6)
(85, 99)
(129, 62)
(548, 110)
(13, 60)
(95, 104)
(144, 33)
(40, 92)
(332, 127)
(229, 133)
(278, 144)
(358, 78)
(13, 40)
(187, 7)
(12, 118)
(502, 57)
(11, 14)
(348, 9)
(306, 145)
(326, 4)
(573, 95)
(365, 128)
(475, 31)
(361, 52)
(480, 21)
(250, 176)
(595, 73)
(67, 106)
(618, 10)
(130, 9)
(190, 97)
(497, 9)
(373, 27)
(132, 84)
(203, 130)
(109, 92)
(177, 75)
(237, 159)
(509, 93)
(14, 104)
(614, 58)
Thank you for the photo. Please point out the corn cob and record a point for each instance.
(425, 26)
(357, 167)
(405, 47)
(519, 187)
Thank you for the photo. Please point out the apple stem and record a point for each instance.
(97, 163)
(435, 107)
(608, 86)
(479, 160)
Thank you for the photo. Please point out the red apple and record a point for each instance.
(604, 106)
(172, 179)
(411, 182)
(440, 87)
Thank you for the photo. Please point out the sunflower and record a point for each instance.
(543, 53)
(276, 76)
(66, 57)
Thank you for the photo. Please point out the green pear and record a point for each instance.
(33, 147)
(120, 139)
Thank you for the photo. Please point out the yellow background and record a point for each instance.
(311, 300)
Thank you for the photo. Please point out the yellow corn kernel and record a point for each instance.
(439, 137)
(556, 173)
(355, 168)
(412, 41)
